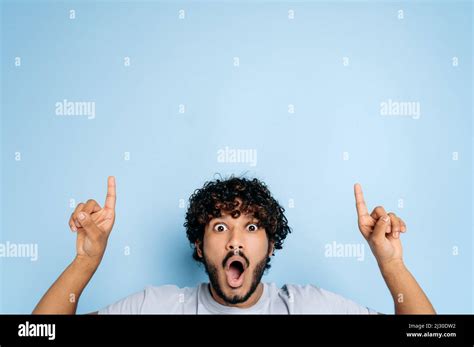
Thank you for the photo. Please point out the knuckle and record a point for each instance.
(79, 207)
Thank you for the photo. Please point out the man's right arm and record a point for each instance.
(93, 225)
(63, 296)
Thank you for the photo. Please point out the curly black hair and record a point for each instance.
(221, 194)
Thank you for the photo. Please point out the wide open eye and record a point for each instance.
(252, 227)
(220, 227)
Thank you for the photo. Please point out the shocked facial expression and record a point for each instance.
(235, 252)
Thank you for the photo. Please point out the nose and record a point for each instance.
(234, 242)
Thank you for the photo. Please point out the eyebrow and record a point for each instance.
(216, 219)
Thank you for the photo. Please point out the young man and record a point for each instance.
(234, 226)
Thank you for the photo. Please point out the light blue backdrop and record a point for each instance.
(334, 62)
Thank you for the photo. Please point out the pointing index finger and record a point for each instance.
(360, 203)
(111, 197)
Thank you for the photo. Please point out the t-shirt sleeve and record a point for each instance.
(131, 304)
(310, 299)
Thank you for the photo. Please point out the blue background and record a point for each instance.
(300, 156)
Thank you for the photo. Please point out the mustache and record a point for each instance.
(231, 254)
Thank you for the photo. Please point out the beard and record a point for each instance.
(213, 274)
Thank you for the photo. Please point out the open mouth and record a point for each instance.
(235, 271)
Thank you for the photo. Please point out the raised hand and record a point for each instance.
(380, 229)
(93, 224)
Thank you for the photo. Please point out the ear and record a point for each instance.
(272, 248)
(197, 244)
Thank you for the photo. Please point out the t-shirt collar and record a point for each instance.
(214, 307)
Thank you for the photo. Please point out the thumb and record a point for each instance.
(381, 228)
(88, 224)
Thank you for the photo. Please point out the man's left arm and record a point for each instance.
(382, 232)
(407, 294)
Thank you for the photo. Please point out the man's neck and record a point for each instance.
(252, 300)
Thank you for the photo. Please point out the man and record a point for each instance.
(234, 226)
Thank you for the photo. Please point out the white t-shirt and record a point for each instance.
(290, 299)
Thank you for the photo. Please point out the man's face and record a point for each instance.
(234, 275)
